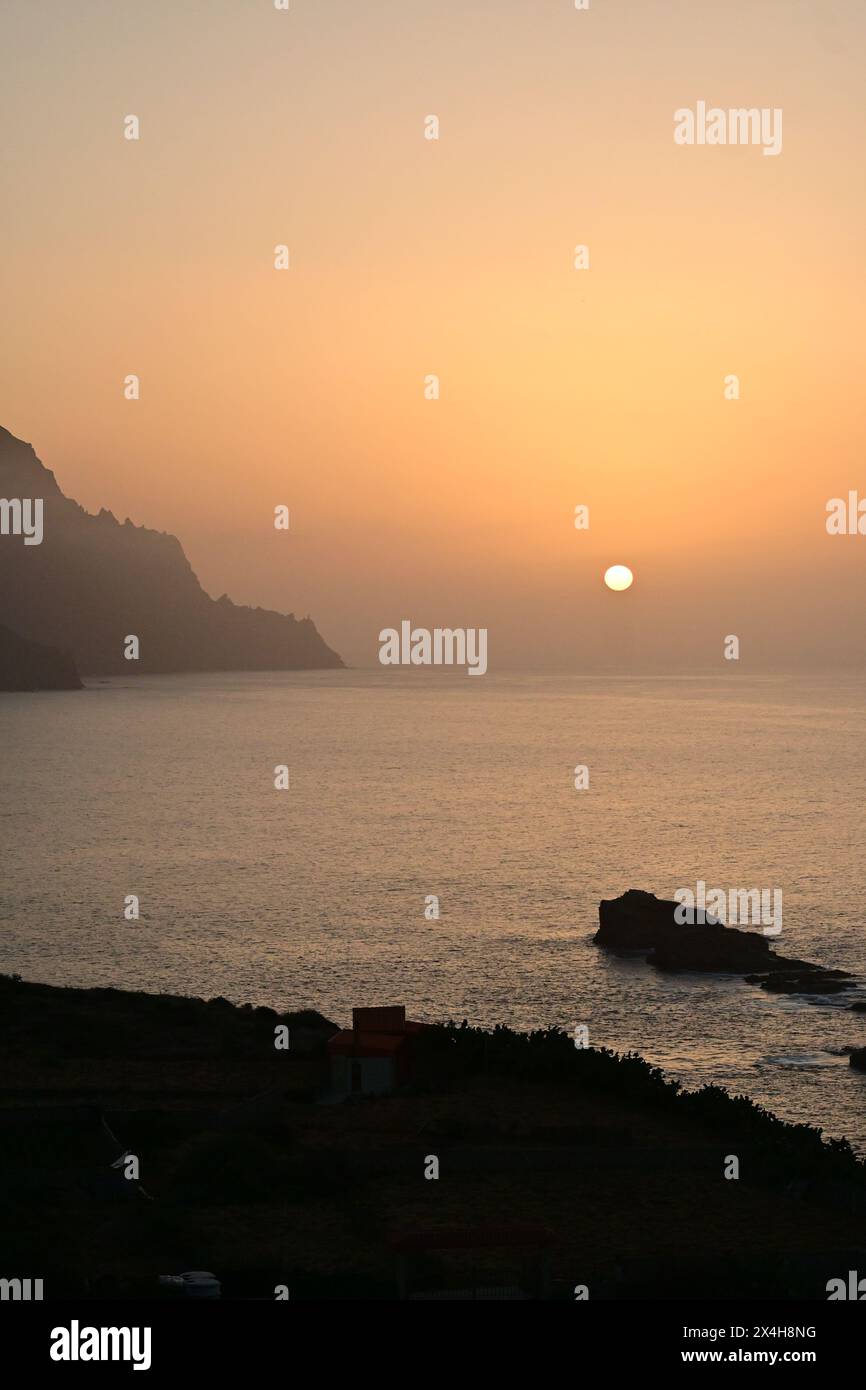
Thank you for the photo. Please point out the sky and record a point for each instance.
(559, 387)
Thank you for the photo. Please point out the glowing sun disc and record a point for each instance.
(618, 577)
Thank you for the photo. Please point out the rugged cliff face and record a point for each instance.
(30, 666)
(92, 581)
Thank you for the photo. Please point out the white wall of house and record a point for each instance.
(377, 1074)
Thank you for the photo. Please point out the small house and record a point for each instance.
(373, 1057)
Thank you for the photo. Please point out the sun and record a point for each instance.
(618, 577)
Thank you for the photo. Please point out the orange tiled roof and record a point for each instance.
(349, 1044)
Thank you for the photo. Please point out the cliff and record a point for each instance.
(30, 666)
(92, 581)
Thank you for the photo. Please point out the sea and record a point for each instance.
(432, 849)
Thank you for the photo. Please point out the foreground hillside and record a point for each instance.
(558, 1167)
(93, 581)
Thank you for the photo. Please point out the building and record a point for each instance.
(374, 1055)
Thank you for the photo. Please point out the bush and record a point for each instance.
(228, 1169)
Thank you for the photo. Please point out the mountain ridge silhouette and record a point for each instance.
(94, 580)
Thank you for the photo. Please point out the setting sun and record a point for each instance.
(618, 577)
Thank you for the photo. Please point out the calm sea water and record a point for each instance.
(405, 784)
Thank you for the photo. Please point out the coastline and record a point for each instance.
(244, 1172)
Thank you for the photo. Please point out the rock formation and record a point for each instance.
(639, 921)
(30, 666)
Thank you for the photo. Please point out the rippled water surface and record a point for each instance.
(406, 784)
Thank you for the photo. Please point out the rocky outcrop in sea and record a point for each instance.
(642, 923)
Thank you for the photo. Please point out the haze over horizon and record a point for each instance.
(454, 257)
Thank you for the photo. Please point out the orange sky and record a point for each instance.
(453, 257)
